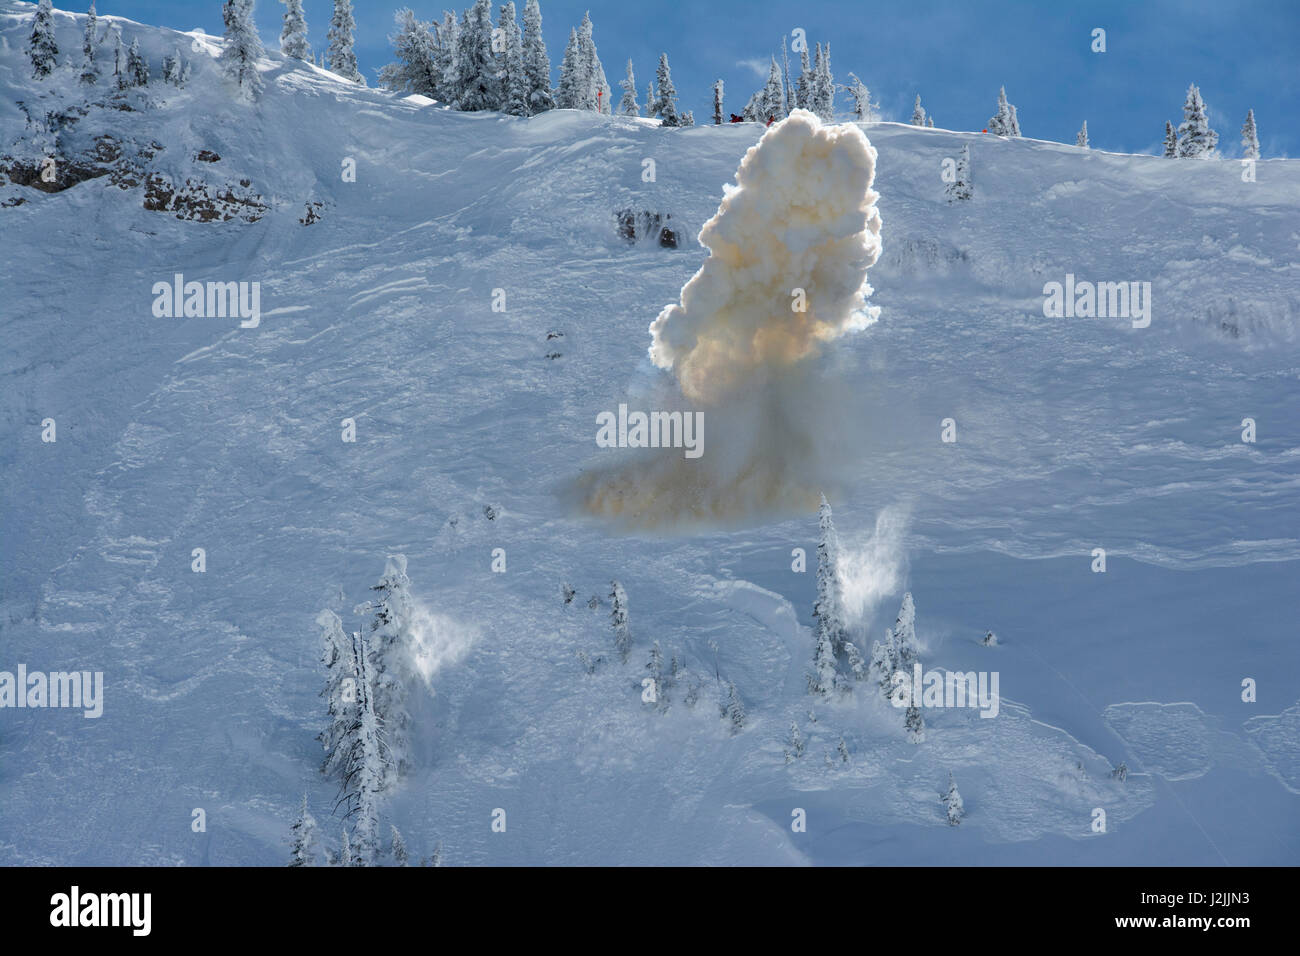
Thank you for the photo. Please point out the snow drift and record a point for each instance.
(789, 249)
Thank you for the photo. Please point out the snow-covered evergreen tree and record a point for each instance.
(41, 47)
(666, 94)
(171, 68)
(929, 122)
(137, 67)
(961, 187)
(435, 859)
(345, 850)
(340, 54)
(89, 68)
(828, 610)
(909, 651)
(785, 77)
(918, 112)
(397, 848)
(822, 679)
(293, 38)
(735, 710)
(804, 85)
(628, 106)
(119, 58)
(1171, 141)
(953, 803)
(339, 655)
(1249, 137)
(569, 92)
(843, 750)
(448, 35)
(1082, 138)
(853, 658)
(861, 97)
(1004, 122)
(416, 69)
(1195, 138)
(363, 777)
(718, 94)
(823, 88)
(884, 661)
(914, 724)
(243, 48)
(304, 850)
(514, 82)
(390, 647)
(594, 91)
(618, 619)
(794, 743)
(537, 65)
(479, 86)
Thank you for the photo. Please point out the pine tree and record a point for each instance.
(293, 38)
(828, 608)
(391, 663)
(914, 724)
(537, 65)
(1082, 138)
(803, 86)
(651, 99)
(655, 668)
(1005, 123)
(794, 743)
(843, 751)
(815, 84)
(884, 662)
(1171, 141)
(789, 90)
(1195, 138)
(304, 850)
(171, 68)
(89, 68)
(137, 68)
(478, 81)
(363, 776)
(861, 97)
(514, 82)
(918, 112)
(339, 655)
(718, 92)
(853, 658)
(627, 106)
(909, 651)
(594, 87)
(340, 54)
(822, 679)
(119, 58)
(436, 858)
(448, 36)
(243, 48)
(345, 850)
(735, 710)
(1249, 138)
(826, 88)
(416, 48)
(961, 187)
(568, 94)
(666, 94)
(41, 47)
(929, 122)
(618, 619)
(953, 803)
(774, 94)
(397, 848)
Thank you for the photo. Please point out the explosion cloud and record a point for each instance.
(789, 249)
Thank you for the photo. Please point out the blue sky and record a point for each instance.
(956, 55)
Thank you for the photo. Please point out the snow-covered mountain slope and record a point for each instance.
(1073, 434)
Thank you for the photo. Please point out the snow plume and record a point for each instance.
(872, 570)
(438, 641)
(789, 249)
